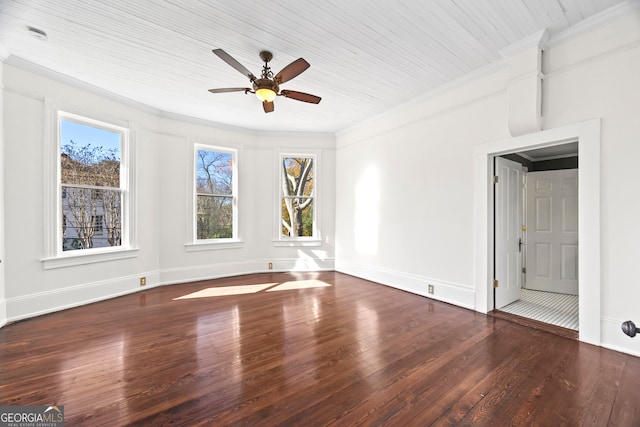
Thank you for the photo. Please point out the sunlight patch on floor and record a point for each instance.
(252, 289)
(299, 284)
(227, 290)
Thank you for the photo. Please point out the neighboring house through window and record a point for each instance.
(91, 188)
(90, 192)
(98, 222)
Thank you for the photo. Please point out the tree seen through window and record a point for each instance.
(215, 195)
(297, 197)
(91, 193)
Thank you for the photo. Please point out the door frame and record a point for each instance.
(587, 134)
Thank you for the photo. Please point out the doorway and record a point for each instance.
(587, 134)
(536, 234)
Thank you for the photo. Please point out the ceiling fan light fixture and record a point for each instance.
(267, 87)
(265, 94)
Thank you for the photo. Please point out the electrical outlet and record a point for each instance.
(143, 281)
(430, 289)
(270, 266)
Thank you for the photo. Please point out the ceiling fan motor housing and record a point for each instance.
(266, 56)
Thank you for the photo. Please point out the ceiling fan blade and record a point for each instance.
(235, 64)
(301, 96)
(268, 106)
(230, 89)
(291, 70)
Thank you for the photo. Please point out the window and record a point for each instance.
(90, 192)
(90, 163)
(215, 191)
(97, 221)
(297, 216)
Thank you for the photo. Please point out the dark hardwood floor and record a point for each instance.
(307, 350)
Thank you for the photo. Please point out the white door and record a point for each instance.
(508, 231)
(552, 231)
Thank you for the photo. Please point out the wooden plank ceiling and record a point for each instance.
(366, 56)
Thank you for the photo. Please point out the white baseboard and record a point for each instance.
(452, 293)
(300, 264)
(614, 339)
(26, 306)
(37, 304)
(3, 312)
(169, 276)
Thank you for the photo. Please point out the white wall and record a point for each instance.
(598, 76)
(163, 160)
(3, 303)
(30, 289)
(407, 218)
(258, 174)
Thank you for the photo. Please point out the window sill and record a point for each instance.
(73, 259)
(293, 242)
(213, 245)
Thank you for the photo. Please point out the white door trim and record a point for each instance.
(588, 136)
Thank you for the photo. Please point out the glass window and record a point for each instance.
(297, 213)
(215, 187)
(91, 184)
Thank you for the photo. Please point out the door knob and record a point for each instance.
(629, 328)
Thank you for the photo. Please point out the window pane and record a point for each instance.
(215, 217)
(297, 188)
(89, 155)
(299, 171)
(214, 172)
(97, 224)
(301, 209)
(91, 218)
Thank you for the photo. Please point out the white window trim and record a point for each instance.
(54, 256)
(194, 244)
(278, 238)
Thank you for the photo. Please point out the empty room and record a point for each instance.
(298, 213)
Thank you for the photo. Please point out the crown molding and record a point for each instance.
(594, 22)
(540, 39)
(416, 101)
